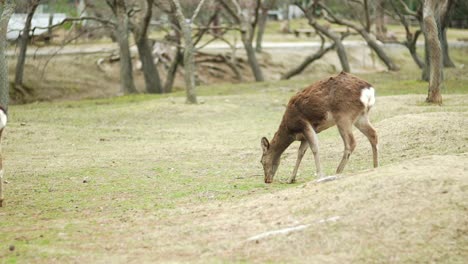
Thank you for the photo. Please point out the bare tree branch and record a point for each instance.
(74, 19)
(195, 14)
(407, 9)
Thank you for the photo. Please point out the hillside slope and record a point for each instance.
(414, 211)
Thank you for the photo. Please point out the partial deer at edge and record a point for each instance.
(343, 100)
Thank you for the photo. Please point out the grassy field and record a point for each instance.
(147, 178)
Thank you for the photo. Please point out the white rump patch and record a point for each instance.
(368, 97)
(3, 119)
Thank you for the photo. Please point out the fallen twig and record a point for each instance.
(290, 229)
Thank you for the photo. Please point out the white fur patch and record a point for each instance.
(3, 119)
(368, 97)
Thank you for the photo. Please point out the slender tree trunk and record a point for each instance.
(119, 9)
(189, 62)
(447, 61)
(367, 14)
(247, 33)
(365, 35)
(140, 33)
(380, 28)
(150, 72)
(378, 50)
(340, 49)
(262, 20)
(435, 52)
(189, 65)
(412, 49)
(171, 73)
(127, 85)
(6, 10)
(427, 63)
(177, 58)
(411, 39)
(252, 59)
(443, 27)
(308, 60)
(49, 30)
(23, 45)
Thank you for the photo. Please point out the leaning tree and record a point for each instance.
(323, 32)
(247, 30)
(363, 30)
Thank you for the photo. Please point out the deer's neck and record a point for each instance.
(280, 142)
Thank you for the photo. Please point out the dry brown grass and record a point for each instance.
(411, 212)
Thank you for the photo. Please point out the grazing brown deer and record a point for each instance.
(343, 100)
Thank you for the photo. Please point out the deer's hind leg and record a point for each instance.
(300, 153)
(345, 127)
(363, 124)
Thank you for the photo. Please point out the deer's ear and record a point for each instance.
(265, 144)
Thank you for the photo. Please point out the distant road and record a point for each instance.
(113, 48)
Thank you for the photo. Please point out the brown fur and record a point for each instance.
(337, 97)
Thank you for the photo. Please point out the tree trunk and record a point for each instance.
(412, 49)
(150, 72)
(435, 52)
(127, 85)
(371, 42)
(262, 20)
(6, 10)
(189, 65)
(427, 63)
(171, 73)
(119, 9)
(367, 14)
(23, 41)
(140, 33)
(340, 49)
(447, 61)
(189, 62)
(247, 33)
(380, 28)
(378, 50)
(308, 60)
(252, 59)
(443, 23)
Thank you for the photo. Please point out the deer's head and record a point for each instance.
(269, 162)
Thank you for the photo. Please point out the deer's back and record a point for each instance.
(331, 96)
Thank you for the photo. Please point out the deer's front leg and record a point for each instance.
(312, 139)
(300, 153)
